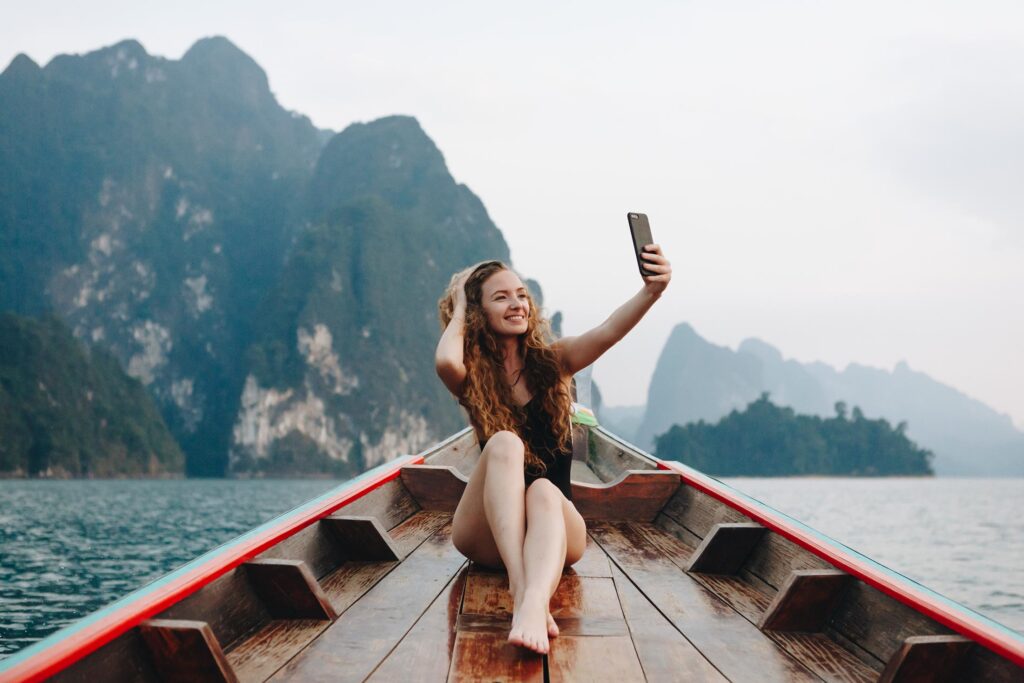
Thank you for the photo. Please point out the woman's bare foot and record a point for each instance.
(529, 623)
(552, 626)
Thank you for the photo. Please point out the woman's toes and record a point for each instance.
(552, 626)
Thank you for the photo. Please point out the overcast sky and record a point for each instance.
(841, 180)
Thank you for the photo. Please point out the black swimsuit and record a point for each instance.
(537, 432)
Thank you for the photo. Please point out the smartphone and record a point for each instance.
(640, 229)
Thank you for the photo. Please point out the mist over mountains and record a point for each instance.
(697, 380)
(273, 286)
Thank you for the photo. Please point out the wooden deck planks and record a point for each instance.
(352, 579)
(817, 652)
(270, 648)
(352, 647)
(739, 594)
(427, 649)
(729, 641)
(593, 659)
(825, 657)
(664, 653)
(486, 656)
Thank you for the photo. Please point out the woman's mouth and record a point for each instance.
(515, 318)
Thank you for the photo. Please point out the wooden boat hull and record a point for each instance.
(684, 577)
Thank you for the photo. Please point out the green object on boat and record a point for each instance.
(583, 415)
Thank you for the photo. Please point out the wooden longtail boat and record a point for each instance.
(684, 578)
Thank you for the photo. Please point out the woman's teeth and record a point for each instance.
(514, 317)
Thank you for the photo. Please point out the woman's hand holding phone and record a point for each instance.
(655, 261)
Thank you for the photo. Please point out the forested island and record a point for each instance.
(767, 440)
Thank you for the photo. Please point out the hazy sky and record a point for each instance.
(841, 180)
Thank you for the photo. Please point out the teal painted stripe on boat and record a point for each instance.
(102, 613)
(846, 550)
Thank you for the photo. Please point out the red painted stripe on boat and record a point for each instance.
(76, 646)
(1000, 643)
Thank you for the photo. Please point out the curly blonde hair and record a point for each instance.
(486, 394)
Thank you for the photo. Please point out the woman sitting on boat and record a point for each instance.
(517, 510)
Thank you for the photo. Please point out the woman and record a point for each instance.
(516, 511)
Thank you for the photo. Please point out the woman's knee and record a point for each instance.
(505, 447)
(542, 493)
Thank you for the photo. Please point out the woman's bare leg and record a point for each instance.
(489, 525)
(555, 538)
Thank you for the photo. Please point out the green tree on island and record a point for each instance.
(770, 440)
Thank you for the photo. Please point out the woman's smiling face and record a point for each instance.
(506, 304)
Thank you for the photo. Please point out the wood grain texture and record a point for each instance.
(427, 649)
(288, 589)
(567, 626)
(635, 495)
(361, 638)
(185, 650)
(876, 623)
(685, 536)
(352, 579)
(739, 594)
(806, 600)
(461, 453)
(589, 659)
(775, 557)
(435, 487)
(699, 512)
(593, 563)
(927, 659)
(726, 547)
(984, 665)
(259, 655)
(362, 538)
(825, 657)
(229, 604)
(732, 644)
(486, 593)
(126, 658)
(391, 503)
(314, 545)
(609, 459)
(751, 597)
(664, 654)
(486, 656)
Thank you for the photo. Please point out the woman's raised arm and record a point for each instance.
(578, 352)
(448, 359)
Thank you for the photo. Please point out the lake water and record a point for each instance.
(68, 548)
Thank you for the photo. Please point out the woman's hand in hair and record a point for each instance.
(459, 299)
(656, 262)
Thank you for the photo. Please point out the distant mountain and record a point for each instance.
(696, 380)
(274, 286)
(66, 410)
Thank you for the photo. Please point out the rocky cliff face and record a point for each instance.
(345, 354)
(272, 285)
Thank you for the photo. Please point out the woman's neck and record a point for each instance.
(512, 359)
